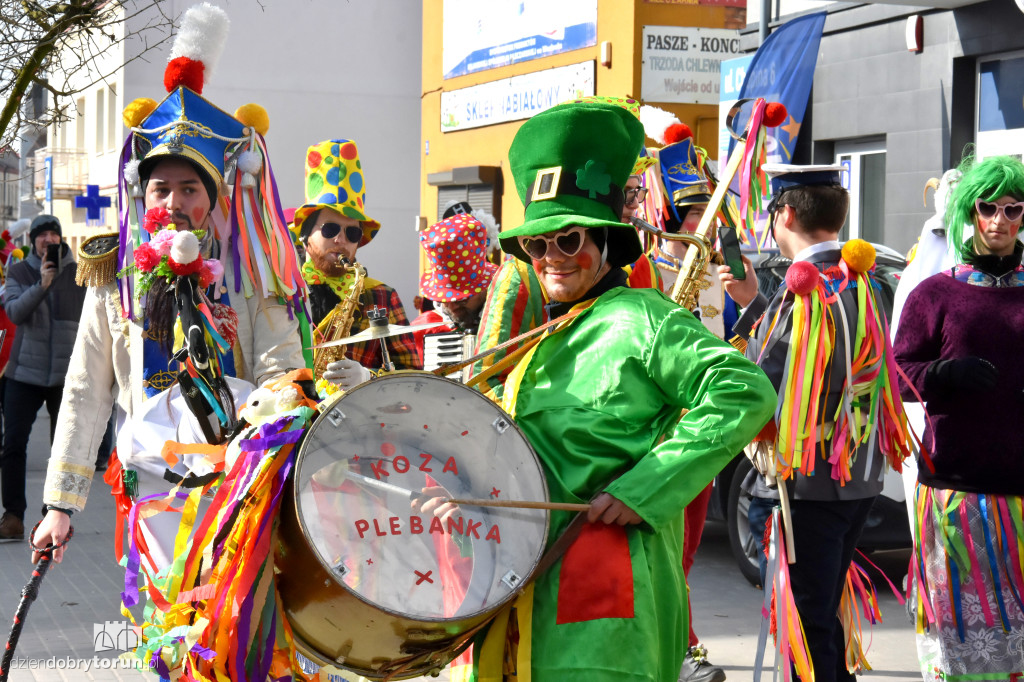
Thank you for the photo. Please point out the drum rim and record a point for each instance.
(512, 594)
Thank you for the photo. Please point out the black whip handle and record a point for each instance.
(28, 595)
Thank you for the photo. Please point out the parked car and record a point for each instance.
(887, 526)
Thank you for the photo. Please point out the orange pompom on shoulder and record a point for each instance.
(859, 255)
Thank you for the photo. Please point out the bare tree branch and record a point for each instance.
(66, 47)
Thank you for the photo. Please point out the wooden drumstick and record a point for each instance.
(523, 504)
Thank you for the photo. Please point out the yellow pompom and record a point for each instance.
(137, 112)
(255, 116)
(859, 255)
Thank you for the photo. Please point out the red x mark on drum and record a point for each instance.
(420, 577)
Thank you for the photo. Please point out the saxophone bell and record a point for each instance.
(702, 243)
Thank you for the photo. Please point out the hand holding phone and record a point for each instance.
(51, 265)
(730, 244)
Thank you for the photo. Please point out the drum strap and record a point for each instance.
(559, 546)
(508, 359)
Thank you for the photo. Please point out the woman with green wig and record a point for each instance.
(959, 342)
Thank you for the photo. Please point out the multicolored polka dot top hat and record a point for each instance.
(457, 250)
(334, 179)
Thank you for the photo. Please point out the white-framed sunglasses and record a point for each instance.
(569, 242)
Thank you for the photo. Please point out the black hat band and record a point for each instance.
(552, 182)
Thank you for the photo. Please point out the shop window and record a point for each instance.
(864, 178)
(479, 185)
(1000, 115)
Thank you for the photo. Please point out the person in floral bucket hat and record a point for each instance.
(333, 225)
(599, 398)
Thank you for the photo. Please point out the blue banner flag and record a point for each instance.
(782, 71)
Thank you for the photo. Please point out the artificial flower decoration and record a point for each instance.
(156, 218)
(170, 253)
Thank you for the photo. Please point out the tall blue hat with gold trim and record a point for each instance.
(227, 150)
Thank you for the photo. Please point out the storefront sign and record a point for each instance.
(516, 98)
(681, 64)
(485, 35)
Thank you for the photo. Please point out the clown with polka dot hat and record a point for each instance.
(456, 248)
(333, 225)
(334, 179)
(456, 279)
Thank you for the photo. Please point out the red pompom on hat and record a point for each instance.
(802, 278)
(184, 71)
(774, 114)
(197, 47)
(677, 132)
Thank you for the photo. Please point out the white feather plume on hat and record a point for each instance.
(202, 35)
(656, 121)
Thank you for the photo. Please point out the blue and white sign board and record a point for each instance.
(48, 178)
(681, 64)
(516, 98)
(477, 36)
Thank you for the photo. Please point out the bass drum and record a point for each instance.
(375, 574)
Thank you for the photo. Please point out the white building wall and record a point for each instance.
(326, 69)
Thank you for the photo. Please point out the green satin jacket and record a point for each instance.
(600, 402)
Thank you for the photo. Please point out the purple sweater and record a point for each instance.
(979, 438)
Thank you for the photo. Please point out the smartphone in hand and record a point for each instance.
(730, 244)
(53, 254)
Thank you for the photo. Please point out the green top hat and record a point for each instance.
(570, 164)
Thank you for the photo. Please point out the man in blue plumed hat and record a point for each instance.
(187, 311)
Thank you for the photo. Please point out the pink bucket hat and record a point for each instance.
(457, 249)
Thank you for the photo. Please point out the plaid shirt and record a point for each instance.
(402, 348)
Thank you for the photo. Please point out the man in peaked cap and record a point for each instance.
(333, 226)
(806, 212)
(173, 178)
(599, 398)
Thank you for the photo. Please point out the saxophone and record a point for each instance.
(338, 323)
(693, 271)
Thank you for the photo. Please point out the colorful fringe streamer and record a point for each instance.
(870, 408)
(1002, 523)
(858, 605)
(860, 592)
(807, 362)
(753, 183)
(780, 613)
(214, 614)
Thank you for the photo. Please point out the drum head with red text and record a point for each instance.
(371, 484)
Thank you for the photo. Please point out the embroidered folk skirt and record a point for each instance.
(967, 571)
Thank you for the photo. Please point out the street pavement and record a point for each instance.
(77, 621)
